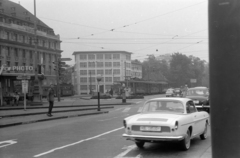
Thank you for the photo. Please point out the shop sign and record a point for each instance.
(25, 86)
(16, 68)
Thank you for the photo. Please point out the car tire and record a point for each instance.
(140, 144)
(186, 142)
(204, 135)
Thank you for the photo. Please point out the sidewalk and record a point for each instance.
(68, 107)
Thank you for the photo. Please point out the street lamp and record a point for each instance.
(99, 78)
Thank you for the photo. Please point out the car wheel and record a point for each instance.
(140, 144)
(204, 135)
(186, 142)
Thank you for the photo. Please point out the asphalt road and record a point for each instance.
(96, 136)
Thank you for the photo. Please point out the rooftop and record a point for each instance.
(100, 52)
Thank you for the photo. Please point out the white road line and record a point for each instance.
(8, 142)
(126, 109)
(129, 148)
(78, 142)
(108, 119)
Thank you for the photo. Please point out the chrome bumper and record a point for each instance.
(153, 138)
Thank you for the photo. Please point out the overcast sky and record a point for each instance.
(139, 26)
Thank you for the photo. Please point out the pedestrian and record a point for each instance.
(17, 98)
(50, 98)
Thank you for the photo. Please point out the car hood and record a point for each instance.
(155, 118)
(198, 97)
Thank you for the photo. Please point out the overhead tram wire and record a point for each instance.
(115, 29)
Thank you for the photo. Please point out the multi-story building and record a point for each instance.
(17, 46)
(113, 66)
(136, 69)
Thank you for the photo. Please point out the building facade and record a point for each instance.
(136, 69)
(112, 66)
(17, 47)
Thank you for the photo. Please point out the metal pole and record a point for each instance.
(98, 98)
(36, 81)
(224, 48)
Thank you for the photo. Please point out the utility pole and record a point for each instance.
(90, 82)
(36, 89)
(224, 48)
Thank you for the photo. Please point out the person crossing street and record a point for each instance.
(50, 98)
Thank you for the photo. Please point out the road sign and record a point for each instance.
(65, 59)
(25, 86)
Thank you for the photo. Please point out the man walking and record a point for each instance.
(50, 98)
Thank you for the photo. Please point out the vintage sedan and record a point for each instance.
(167, 119)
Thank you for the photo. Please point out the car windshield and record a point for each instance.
(169, 90)
(164, 106)
(198, 92)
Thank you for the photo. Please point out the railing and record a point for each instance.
(29, 30)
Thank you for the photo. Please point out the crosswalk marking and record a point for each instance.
(127, 150)
(7, 143)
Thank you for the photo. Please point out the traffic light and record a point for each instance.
(58, 67)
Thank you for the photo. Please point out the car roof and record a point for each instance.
(184, 100)
(197, 88)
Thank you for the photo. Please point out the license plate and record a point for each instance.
(147, 128)
(196, 101)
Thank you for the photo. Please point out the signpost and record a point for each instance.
(24, 79)
(25, 90)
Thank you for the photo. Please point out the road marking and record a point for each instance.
(140, 109)
(78, 142)
(126, 109)
(8, 142)
(108, 119)
(129, 148)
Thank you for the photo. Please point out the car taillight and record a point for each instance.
(124, 123)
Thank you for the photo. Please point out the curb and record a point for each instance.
(58, 106)
(49, 119)
(39, 113)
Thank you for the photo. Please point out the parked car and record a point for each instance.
(177, 92)
(200, 97)
(167, 119)
(170, 92)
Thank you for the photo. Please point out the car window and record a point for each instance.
(190, 107)
(164, 106)
(198, 92)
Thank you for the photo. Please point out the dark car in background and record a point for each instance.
(177, 92)
(200, 97)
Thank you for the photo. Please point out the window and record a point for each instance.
(91, 64)
(92, 72)
(16, 52)
(83, 56)
(31, 54)
(8, 63)
(116, 56)
(83, 79)
(93, 87)
(83, 64)
(8, 51)
(100, 72)
(128, 57)
(108, 79)
(91, 56)
(116, 71)
(108, 71)
(108, 64)
(83, 87)
(108, 56)
(23, 53)
(116, 64)
(190, 107)
(91, 79)
(99, 64)
(116, 79)
(99, 56)
(16, 63)
(50, 70)
(83, 72)
(108, 87)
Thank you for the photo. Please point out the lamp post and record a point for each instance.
(99, 78)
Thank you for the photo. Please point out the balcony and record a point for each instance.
(29, 30)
